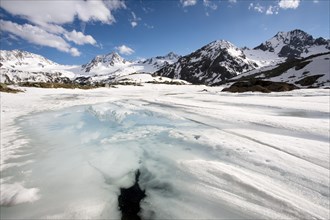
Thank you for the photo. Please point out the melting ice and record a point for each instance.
(80, 157)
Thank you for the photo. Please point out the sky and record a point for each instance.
(75, 31)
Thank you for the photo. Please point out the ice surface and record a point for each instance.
(201, 154)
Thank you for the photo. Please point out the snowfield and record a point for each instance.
(202, 154)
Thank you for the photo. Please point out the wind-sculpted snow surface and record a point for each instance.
(201, 154)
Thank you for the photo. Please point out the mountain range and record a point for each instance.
(293, 55)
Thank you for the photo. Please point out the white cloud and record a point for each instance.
(289, 4)
(269, 11)
(272, 10)
(75, 52)
(210, 4)
(38, 36)
(134, 24)
(79, 38)
(48, 18)
(315, 1)
(61, 12)
(186, 3)
(125, 50)
(232, 1)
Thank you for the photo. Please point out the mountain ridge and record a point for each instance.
(221, 60)
(213, 63)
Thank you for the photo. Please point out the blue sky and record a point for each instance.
(74, 31)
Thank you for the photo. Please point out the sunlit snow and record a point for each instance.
(202, 154)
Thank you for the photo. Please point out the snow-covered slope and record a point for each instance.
(148, 78)
(307, 72)
(217, 61)
(263, 58)
(23, 60)
(315, 72)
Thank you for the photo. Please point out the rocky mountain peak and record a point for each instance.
(216, 61)
(220, 44)
(159, 62)
(107, 60)
(111, 58)
(291, 44)
(169, 56)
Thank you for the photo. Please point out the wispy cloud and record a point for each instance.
(257, 7)
(124, 50)
(210, 4)
(148, 26)
(134, 21)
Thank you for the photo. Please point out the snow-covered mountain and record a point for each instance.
(161, 61)
(22, 66)
(17, 59)
(221, 60)
(296, 43)
(217, 61)
(113, 64)
(102, 62)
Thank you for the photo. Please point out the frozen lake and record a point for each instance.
(201, 155)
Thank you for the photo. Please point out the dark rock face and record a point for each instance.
(321, 41)
(265, 47)
(309, 80)
(129, 200)
(290, 52)
(217, 61)
(259, 86)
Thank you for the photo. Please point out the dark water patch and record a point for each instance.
(129, 200)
